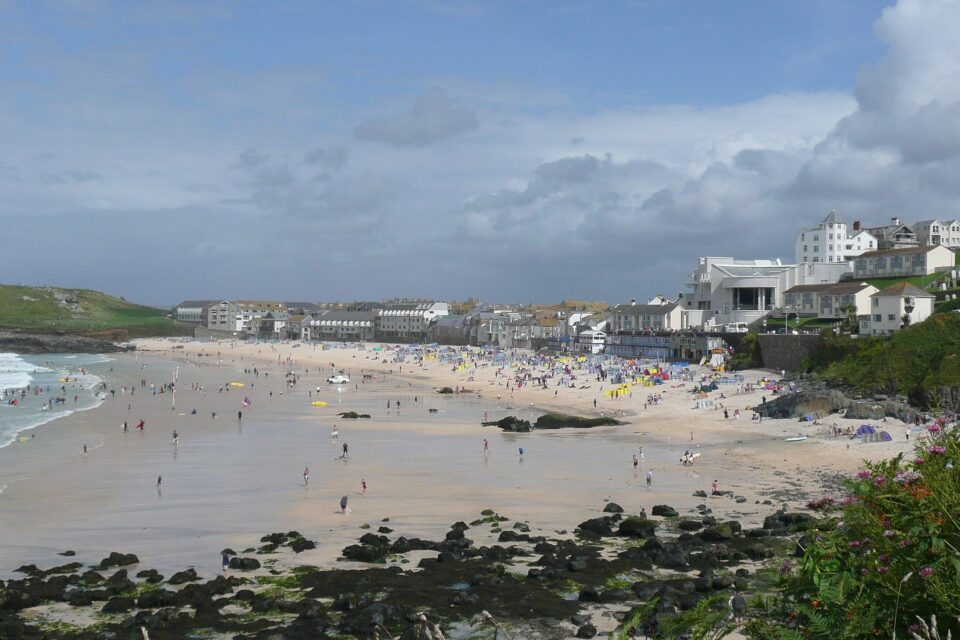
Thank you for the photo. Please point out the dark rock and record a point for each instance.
(664, 511)
(384, 530)
(69, 553)
(717, 533)
(635, 527)
(689, 525)
(700, 493)
(587, 631)
(561, 421)
(118, 560)
(721, 582)
(301, 544)
(589, 594)
(118, 604)
(244, 564)
(599, 526)
(156, 599)
(182, 577)
(152, 576)
(612, 507)
(513, 424)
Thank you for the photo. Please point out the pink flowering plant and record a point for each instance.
(888, 554)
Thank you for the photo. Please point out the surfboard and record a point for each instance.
(797, 439)
(318, 403)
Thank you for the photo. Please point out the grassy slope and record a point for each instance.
(37, 309)
(912, 362)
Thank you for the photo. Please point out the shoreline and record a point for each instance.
(225, 483)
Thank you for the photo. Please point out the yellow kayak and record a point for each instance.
(319, 403)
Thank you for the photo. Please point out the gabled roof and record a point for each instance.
(902, 289)
(196, 303)
(924, 248)
(833, 219)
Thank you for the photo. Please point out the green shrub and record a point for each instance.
(894, 557)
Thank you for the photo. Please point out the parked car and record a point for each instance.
(338, 379)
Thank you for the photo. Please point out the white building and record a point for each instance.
(408, 322)
(193, 310)
(829, 301)
(590, 341)
(237, 316)
(892, 236)
(661, 315)
(896, 307)
(350, 326)
(908, 261)
(725, 290)
(830, 242)
(934, 232)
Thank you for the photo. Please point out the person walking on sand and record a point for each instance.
(714, 487)
(363, 485)
(343, 505)
(636, 461)
(346, 449)
(159, 481)
(486, 447)
(306, 476)
(649, 479)
(239, 416)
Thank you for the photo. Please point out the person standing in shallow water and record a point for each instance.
(306, 476)
(649, 479)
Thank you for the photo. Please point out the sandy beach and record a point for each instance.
(227, 482)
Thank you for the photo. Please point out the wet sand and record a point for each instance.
(228, 483)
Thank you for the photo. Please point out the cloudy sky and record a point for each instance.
(515, 151)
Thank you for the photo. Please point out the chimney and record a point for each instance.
(633, 302)
(856, 225)
(895, 221)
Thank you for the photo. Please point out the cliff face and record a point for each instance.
(17, 342)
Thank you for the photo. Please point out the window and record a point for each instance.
(816, 259)
(816, 249)
(877, 317)
(816, 238)
(804, 248)
(871, 244)
(830, 236)
(830, 248)
(891, 316)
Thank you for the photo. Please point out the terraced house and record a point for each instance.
(829, 301)
(901, 263)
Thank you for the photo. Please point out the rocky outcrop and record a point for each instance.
(817, 398)
(551, 421)
(27, 343)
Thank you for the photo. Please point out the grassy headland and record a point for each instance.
(920, 362)
(83, 311)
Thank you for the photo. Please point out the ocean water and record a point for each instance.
(55, 375)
